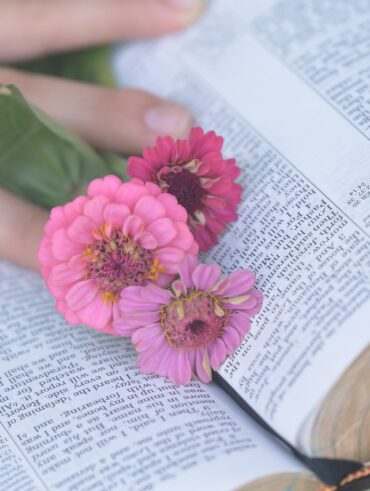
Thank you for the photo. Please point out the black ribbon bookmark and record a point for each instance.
(330, 471)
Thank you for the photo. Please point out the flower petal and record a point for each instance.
(163, 230)
(253, 305)
(63, 247)
(121, 328)
(73, 209)
(180, 151)
(164, 279)
(203, 366)
(58, 291)
(179, 369)
(231, 338)
(184, 238)
(164, 146)
(139, 167)
(146, 240)
(155, 294)
(130, 193)
(80, 294)
(80, 230)
(154, 189)
(220, 187)
(132, 292)
(186, 269)
(202, 143)
(241, 322)
(217, 353)
(133, 226)
(178, 288)
(148, 337)
(204, 237)
(61, 275)
(136, 306)
(150, 359)
(173, 210)
(239, 283)
(140, 319)
(248, 303)
(149, 209)
(205, 276)
(56, 221)
(169, 258)
(166, 353)
(69, 316)
(97, 314)
(115, 214)
(213, 202)
(108, 186)
(93, 209)
(45, 255)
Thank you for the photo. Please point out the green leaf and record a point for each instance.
(86, 65)
(39, 159)
(117, 165)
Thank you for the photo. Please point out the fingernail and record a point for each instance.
(169, 119)
(190, 9)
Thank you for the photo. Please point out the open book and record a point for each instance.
(287, 84)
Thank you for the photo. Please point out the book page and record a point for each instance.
(76, 414)
(305, 217)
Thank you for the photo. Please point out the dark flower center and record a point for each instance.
(196, 325)
(193, 320)
(185, 186)
(116, 262)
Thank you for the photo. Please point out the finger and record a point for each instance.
(119, 120)
(21, 229)
(37, 27)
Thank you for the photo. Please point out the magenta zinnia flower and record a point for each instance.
(120, 234)
(194, 171)
(191, 327)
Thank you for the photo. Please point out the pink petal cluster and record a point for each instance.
(189, 329)
(119, 235)
(194, 171)
(122, 259)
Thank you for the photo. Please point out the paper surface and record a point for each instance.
(75, 413)
(305, 218)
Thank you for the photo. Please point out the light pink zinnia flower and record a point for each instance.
(120, 234)
(194, 171)
(193, 326)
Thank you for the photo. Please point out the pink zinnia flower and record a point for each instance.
(120, 234)
(194, 171)
(193, 326)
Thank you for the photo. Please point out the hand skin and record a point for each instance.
(119, 120)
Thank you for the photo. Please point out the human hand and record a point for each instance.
(119, 120)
